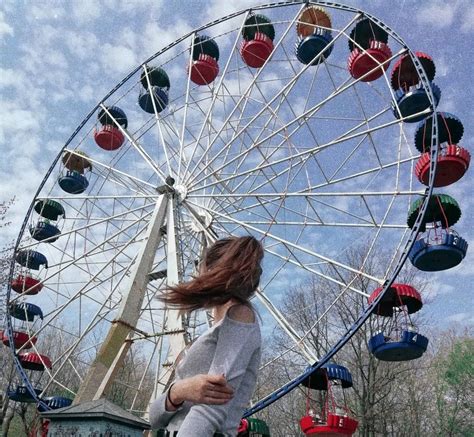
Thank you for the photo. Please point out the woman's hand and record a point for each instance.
(201, 389)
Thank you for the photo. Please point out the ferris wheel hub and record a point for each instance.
(181, 191)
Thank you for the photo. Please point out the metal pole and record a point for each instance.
(100, 374)
(173, 321)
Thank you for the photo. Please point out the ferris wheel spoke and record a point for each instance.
(186, 105)
(307, 221)
(157, 120)
(215, 94)
(301, 154)
(93, 197)
(309, 268)
(369, 136)
(111, 171)
(97, 222)
(365, 172)
(109, 176)
(316, 219)
(243, 97)
(308, 113)
(309, 194)
(397, 252)
(92, 251)
(142, 152)
(309, 355)
(299, 248)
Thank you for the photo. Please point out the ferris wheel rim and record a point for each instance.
(409, 243)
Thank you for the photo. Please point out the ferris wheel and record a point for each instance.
(293, 122)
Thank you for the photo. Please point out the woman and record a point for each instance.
(214, 382)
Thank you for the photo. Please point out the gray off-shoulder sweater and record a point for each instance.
(230, 347)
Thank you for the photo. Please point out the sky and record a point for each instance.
(60, 57)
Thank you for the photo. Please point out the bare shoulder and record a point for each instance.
(241, 313)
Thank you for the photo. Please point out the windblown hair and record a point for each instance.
(230, 270)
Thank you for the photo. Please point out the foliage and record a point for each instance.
(454, 385)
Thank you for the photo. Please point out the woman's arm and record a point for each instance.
(238, 340)
(205, 389)
(160, 415)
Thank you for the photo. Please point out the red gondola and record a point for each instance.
(34, 361)
(20, 340)
(27, 285)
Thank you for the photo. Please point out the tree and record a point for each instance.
(381, 409)
(454, 385)
(6, 252)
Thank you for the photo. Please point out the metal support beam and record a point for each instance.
(112, 373)
(172, 320)
(101, 373)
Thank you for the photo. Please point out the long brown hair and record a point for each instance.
(230, 270)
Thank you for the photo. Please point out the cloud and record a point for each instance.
(440, 14)
(467, 20)
(11, 78)
(461, 317)
(118, 59)
(85, 11)
(80, 44)
(5, 28)
(44, 13)
(216, 8)
(16, 120)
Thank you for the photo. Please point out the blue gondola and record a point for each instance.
(411, 346)
(318, 380)
(313, 48)
(73, 182)
(25, 311)
(436, 257)
(54, 403)
(22, 394)
(115, 113)
(413, 101)
(160, 97)
(45, 231)
(31, 259)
